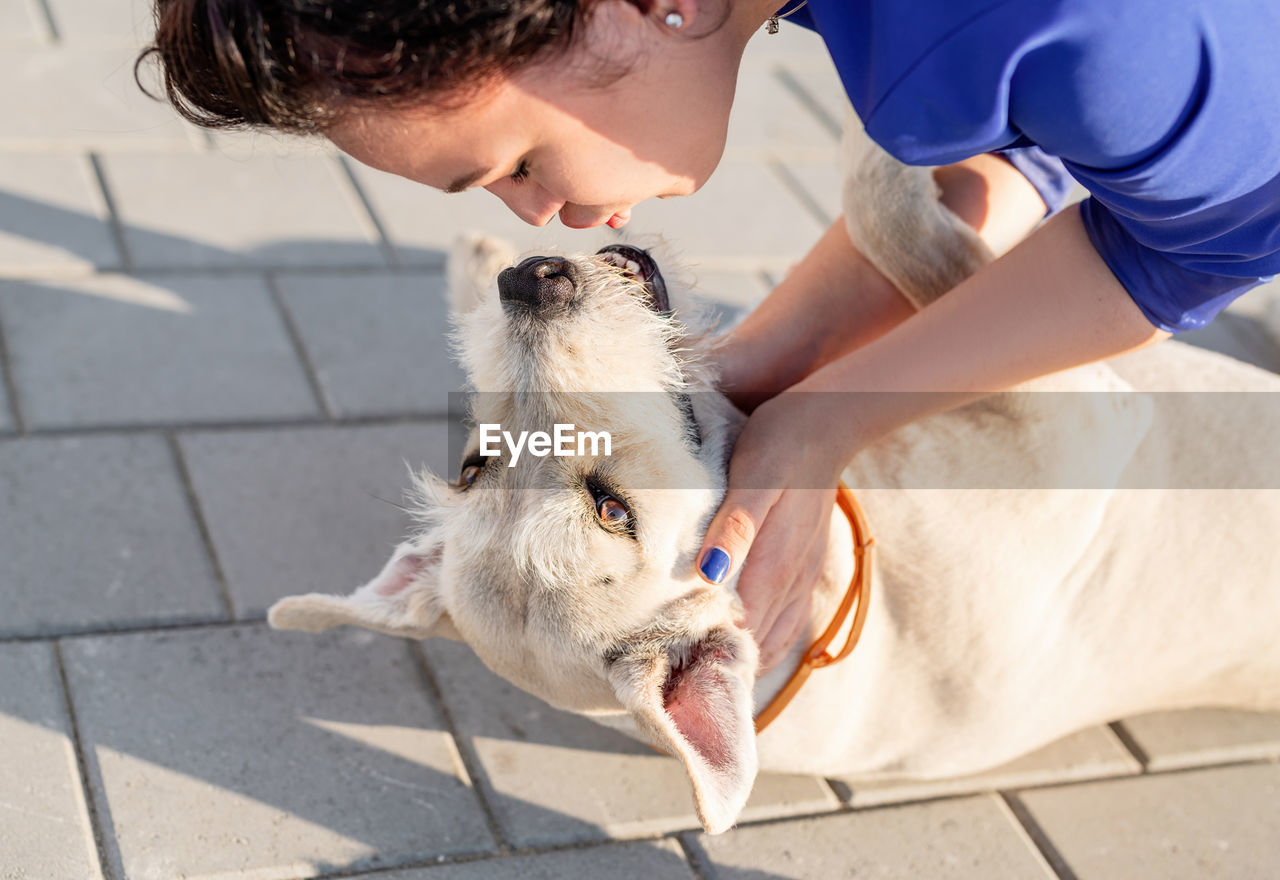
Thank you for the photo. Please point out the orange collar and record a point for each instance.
(859, 592)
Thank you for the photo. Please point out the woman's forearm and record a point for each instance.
(834, 301)
(831, 302)
(1049, 304)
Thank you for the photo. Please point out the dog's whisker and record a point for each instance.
(396, 505)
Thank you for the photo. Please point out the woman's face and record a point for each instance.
(554, 140)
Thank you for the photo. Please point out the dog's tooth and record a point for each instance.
(633, 267)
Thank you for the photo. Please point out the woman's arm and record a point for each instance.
(834, 301)
(1049, 304)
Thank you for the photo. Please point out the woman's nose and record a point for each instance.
(528, 201)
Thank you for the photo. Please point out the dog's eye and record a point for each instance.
(471, 470)
(612, 512)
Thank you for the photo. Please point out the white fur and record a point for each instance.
(896, 220)
(1000, 619)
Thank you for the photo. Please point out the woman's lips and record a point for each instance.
(614, 221)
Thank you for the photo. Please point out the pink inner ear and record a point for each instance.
(697, 697)
(401, 573)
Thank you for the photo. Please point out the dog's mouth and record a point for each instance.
(637, 264)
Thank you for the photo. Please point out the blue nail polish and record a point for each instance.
(715, 565)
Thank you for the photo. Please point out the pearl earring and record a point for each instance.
(674, 20)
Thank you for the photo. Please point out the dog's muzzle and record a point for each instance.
(538, 284)
(639, 264)
(543, 286)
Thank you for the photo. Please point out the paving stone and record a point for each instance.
(815, 83)
(245, 752)
(742, 289)
(1078, 194)
(790, 43)
(656, 860)
(768, 120)
(155, 350)
(1090, 754)
(126, 23)
(97, 532)
(7, 421)
(423, 223)
(22, 24)
(969, 838)
(1204, 736)
(378, 342)
(44, 823)
(213, 210)
(1240, 335)
(744, 218)
(722, 299)
(71, 97)
(1258, 303)
(1271, 320)
(310, 509)
(1207, 823)
(267, 143)
(820, 184)
(52, 216)
(556, 777)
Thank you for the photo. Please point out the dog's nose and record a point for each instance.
(537, 283)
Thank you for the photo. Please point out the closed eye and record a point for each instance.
(521, 174)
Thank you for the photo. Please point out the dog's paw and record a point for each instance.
(474, 262)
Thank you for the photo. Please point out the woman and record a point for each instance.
(1167, 112)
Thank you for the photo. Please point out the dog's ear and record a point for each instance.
(473, 264)
(403, 600)
(693, 700)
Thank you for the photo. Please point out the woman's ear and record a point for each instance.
(675, 16)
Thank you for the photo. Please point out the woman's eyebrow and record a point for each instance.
(465, 181)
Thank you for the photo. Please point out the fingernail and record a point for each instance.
(715, 565)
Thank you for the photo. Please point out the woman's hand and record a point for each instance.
(1049, 304)
(787, 462)
(781, 491)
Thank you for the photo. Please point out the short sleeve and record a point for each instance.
(1045, 173)
(1172, 123)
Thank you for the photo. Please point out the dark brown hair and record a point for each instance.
(291, 64)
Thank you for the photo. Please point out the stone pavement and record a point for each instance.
(218, 351)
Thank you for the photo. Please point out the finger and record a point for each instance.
(783, 559)
(793, 623)
(788, 618)
(789, 627)
(732, 532)
(776, 567)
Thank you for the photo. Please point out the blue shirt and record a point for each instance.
(1166, 111)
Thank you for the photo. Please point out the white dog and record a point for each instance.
(1094, 586)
